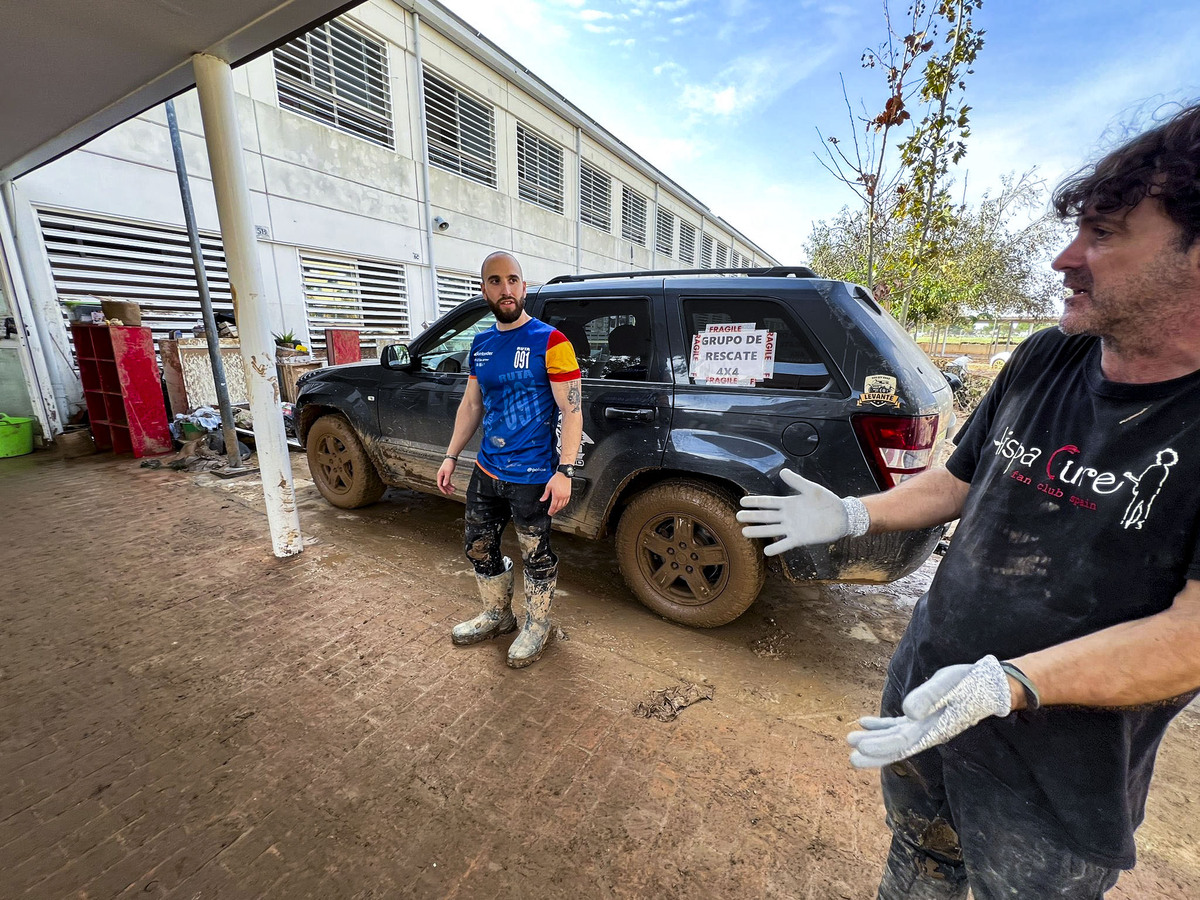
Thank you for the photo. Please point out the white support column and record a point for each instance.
(33, 361)
(214, 84)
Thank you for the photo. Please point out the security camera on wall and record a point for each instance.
(441, 224)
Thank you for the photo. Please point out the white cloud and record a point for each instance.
(683, 20)
(753, 80)
(666, 153)
(673, 5)
(722, 102)
(1071, 124)
(669, 68)
(495, 20)
(592, 15)
(599, 29)
(777, 216)
(626, 42)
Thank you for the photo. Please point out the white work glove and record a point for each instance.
(813, 515)
(949, 703)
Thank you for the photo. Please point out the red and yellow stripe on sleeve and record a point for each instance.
(561, 364)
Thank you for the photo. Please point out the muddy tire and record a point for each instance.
(681, 551)
(339, 465)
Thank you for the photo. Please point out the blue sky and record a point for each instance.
(725, 96)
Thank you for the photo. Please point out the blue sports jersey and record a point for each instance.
(514, 369)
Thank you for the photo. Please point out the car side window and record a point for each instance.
(797, 364)
(449, 349)
(611, 335)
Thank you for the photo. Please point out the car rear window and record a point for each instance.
(797, 364)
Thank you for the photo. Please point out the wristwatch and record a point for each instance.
(567, 470)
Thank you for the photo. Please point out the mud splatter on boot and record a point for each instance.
(497, 616)
(535, 633)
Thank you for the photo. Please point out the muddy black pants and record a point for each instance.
(953, 825)
(491, 505)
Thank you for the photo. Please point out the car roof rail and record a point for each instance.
(766, 272)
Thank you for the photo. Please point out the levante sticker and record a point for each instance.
(879, 390)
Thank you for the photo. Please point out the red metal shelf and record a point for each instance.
(122, 389)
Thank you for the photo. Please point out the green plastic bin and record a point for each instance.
(16, 436)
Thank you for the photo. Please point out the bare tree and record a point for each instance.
(863, 168)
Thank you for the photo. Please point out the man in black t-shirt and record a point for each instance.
(1026, 701)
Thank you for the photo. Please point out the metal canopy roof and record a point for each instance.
(69, 71)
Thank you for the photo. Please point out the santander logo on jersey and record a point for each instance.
(1064, 475)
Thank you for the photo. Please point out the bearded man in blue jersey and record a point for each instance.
(524, 375)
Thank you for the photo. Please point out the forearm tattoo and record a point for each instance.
(574, 397)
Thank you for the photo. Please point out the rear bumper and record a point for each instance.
(874, 559)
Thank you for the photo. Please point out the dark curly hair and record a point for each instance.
(1164, 163)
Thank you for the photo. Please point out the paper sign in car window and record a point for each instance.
(732, 353)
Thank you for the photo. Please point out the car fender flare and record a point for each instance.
(312, 406)
(747, 465)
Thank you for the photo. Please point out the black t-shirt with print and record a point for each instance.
(1083, 512)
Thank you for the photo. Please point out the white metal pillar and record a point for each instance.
(214, 84)
(33, 361)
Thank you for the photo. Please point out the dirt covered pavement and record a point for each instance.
(183, 715)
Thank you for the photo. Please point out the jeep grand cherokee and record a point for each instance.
(699, 386)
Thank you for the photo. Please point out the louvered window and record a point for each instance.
(722, 256)
(344, 292)
(595, 198)
(735, 260)
(94, 256)
(664, 234)
(455, 287)
(339, 77)
(706, 252)
(687, 243)
(462, 131)
(633, 216)
(539, 170)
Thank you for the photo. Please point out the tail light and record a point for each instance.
(898, 447)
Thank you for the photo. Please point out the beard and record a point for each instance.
(1135, 309)
(503, 315)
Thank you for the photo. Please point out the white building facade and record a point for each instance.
(388, 151)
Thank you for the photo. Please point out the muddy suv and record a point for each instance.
(698, 388)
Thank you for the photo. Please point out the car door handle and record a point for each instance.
(637, 414)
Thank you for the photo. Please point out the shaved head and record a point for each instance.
(500, 254)
(503, 286)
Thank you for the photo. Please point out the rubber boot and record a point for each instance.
(535, 633)
(497, 616)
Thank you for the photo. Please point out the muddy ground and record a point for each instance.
(184, 716)
(803, 656)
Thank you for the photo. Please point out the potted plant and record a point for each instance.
(287, 345)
